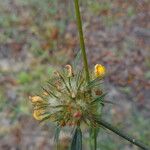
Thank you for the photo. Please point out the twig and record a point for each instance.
(122, 134)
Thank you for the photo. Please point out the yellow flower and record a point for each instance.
(36, 99)
(100, 70)
(70, 70)
(38, 114)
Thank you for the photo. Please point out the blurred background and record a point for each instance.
(38, 36)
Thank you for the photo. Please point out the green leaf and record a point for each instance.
(57, 133)
(46, 117)
(49, 92)
(94, 83)
(76, 143)
(99, 99)
(93, 132)
(78, 77)
(56, 137)
(64, 81)
(80, 84)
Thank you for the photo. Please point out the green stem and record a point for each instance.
(93, 132)
(84, 56)
(122, 134)
(95, 139)
(82, 45)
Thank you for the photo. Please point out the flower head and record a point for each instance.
(69, 101)
(99, 71)
(36, 99)
(38, 114)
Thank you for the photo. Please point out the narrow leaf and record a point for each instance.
(57, 133)
(77, 140)
(94, 83)
(56, 137)
(99, 99)
(93, 138)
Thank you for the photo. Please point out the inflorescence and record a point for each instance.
(68, 100)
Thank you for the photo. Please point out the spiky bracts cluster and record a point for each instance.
(69, 100)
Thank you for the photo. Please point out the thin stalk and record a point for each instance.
(122, 134)
(95, 139)
(84, 56)
(82, 45)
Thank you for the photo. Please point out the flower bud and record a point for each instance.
(38, 114)
(70, 70)
(99, 71)
(35, 99)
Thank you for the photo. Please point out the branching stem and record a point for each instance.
(122, 134)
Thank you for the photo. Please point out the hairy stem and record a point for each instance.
(122, 134)
(82, 45)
